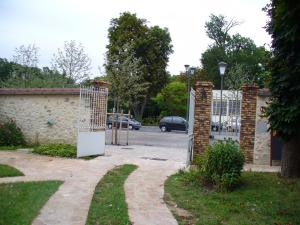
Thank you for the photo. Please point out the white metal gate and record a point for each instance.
(225, 118)
(92, 121)
(191, 127)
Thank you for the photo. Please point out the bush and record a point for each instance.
(221, 165)
(10, 134)
(150, 121)
(62, 150)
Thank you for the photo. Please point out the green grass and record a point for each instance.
(4, 148)
(263, 198)
(8, 171)
(108, 205)
(61, 150)
(21, 202)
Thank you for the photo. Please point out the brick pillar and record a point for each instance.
(248, 121)
(202, 116)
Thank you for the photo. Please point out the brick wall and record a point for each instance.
(202, 116)
(248, 121)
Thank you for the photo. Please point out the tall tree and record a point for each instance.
(72, 61)
(284, 109)
(233, 49)
(151, 45)
(172, 99)
(27, 55)
(217, 29)
(126, 84)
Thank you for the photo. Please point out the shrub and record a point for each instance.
(150, 121)
(221, 165)
(10, 134)
(62, 150)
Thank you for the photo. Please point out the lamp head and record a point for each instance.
(192, 70)
(187, 67)
(222, 68)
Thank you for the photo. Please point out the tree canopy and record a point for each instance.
(150, 45)
(172, 99)
(234, 50)
(72, 61)
(284, 110)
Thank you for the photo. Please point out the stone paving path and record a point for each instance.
(69, 205)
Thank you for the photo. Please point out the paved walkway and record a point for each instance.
(69, 205)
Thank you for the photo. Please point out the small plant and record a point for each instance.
(221, 165)
(62, 150)
(11, 134)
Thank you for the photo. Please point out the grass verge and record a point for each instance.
(263, 198)
(108, 205)
(21, 202)
(5, 148)
(61, 150)
(9, 171)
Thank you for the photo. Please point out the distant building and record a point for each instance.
(231, 106)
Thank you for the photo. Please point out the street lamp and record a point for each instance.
(187, 67)
(222, 68)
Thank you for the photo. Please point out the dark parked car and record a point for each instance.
(214, 126)
(133, 124)
(169, 123)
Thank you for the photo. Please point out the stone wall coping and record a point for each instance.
(265, 92)
(249, 86)
(204, 84)
(39, 91)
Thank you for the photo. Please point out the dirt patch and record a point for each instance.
(185, 215)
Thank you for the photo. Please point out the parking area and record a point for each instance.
(152, 136)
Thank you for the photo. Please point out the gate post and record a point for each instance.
(202, 115)
(100, 103)
(248, 121)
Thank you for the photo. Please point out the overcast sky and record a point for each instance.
(48, 23)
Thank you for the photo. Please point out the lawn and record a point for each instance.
(8, 171)
(9, 147)
(108, 205)
(61, 150)
(21, 202)
(263, 198)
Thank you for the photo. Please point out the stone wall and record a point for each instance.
(44, 115)
(262, 142)
(202, 116)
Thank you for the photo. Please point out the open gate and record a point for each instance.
(225, 114)
(92, 121)
(191, 127)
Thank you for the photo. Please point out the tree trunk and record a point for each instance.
(290, 160)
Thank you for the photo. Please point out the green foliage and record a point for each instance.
(61, 150)
(221, 164)
(172, 99)
(21, 202)
(108, 205)
(13, 75)
(11, 134)
(284, 109)
(150, 121)
(9, 171)
(262, 199)
(235, 50)
(151, 46)
(124, 76)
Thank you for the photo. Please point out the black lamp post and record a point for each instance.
(187, 67)
(222, 68)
